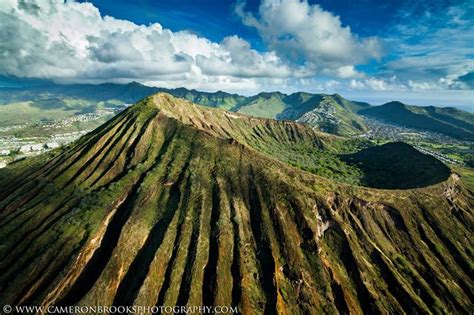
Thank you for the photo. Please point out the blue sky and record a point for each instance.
(415, 51)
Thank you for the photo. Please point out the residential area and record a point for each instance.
(444, 148)
(45, 136)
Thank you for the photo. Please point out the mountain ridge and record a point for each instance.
(330, 113)
(151, 210)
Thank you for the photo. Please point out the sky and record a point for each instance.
(418, 52)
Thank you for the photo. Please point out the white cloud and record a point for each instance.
(236, 58)
(393, 84)
(356, 84)
(435, 49)
(72, 42)
(347, 72)
(308, 49)
(422, 85)
(299, 31)
(377, 84)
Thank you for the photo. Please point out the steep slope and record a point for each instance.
(322, 154)
(169, 204)
(266, 105)
(297, 98)
(328, 113)
(448, 121)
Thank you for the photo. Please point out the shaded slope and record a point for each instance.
(409, 168)
(390, 166)
(156, 208)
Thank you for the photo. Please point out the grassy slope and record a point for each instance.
(266, 105)
(466, 174)
(156, 207)
(307, 108)
(330, 113)
(449, 121)
(291, 143)
(218, 99)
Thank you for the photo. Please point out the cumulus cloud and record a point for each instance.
(301, 32)
(73, 42)
(346, 72)
(236, 58)
(307, 48)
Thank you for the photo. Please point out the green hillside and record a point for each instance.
(328, 113)
(448, 121)
(266, 105)
(217, 99)
(45, 110)
(170, 203)
(110, 92)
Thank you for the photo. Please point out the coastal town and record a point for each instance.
(435, 144)
(46, 136)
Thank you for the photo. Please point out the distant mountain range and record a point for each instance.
(172, 203)
(328, 113)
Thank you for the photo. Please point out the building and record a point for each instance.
(52, 145)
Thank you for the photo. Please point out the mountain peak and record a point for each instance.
(220, 123)
(135, 83)
(395, 104)
(268, 95)
(169, 198)
(161, 98)
(171, 106)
